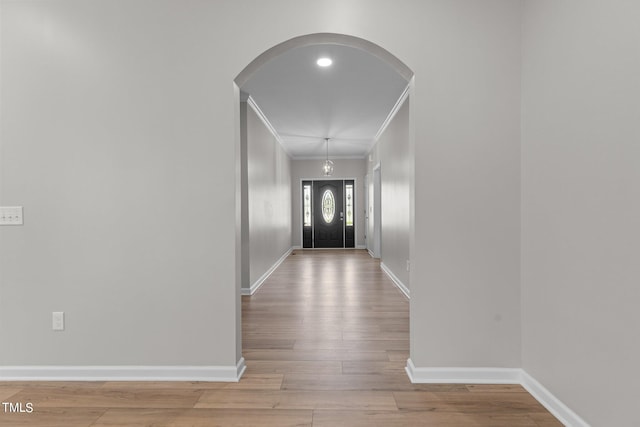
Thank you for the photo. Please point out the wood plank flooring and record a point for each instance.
(325, 339)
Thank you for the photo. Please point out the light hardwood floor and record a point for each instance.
(326, 340)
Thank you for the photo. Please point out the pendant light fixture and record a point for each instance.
(327, 166)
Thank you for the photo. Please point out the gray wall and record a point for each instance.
(269, 198)
(392, 151)
(465, 111)
(312, 169)
(109, 139)
(120, 137)
(581, 204)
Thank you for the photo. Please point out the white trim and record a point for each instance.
(295, 248)
(124, 373)
(254, 287)
(371, 253)
(377, 211)
(328, 249)
(240, 368)
(361, 246)
(497, 376)
(554, 405)
(463, 375)
(301, 206)
(358, 157)
(254, 106)
(403, 288)
(392, 113)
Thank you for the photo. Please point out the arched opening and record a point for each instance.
(398, 268)
(320, 39)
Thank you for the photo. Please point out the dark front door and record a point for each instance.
(328, 214)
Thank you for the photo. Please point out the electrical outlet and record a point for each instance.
(58, 320)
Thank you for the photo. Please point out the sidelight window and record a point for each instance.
(307, 205)
(349, 197)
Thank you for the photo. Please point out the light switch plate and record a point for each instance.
(11, 215)
(58, 320)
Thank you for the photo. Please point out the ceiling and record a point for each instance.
(347, 102)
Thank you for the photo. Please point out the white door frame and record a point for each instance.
(377, 212)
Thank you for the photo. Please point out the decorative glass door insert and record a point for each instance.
(328, 206)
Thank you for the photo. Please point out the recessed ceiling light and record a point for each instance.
(324, 62)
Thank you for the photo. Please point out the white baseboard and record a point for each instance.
(328, 249)
(241, 366)
(554, 405)
(254, 287)
(463, 375)
(295, 248)
(497, 376)
(361, 247)
(403, 288)
(124, 373)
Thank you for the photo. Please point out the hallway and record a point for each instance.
(326, 340)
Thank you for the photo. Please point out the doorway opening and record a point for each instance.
(334, 217)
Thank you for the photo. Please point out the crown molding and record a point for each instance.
(256, 108)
